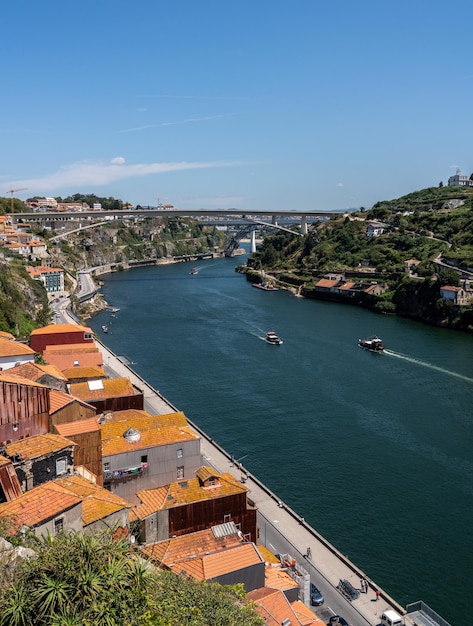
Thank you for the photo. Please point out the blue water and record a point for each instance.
(375, 451)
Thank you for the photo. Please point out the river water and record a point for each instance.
(375, 451)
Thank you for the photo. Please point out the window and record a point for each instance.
(87, 336)
(61, 466)
(58, 525)
(180, 472)
(211, 481)
(106, 466)
(144, 459)
(179, 453)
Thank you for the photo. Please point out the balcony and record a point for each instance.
(124, 474)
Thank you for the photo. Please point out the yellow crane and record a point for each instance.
(12, 191)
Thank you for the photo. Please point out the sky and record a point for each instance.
(301, 105)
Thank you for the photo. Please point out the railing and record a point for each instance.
(422, 607)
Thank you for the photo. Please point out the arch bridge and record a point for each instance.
(242, 223)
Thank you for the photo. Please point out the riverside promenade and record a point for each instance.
(277, 520)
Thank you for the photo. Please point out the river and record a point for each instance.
(374, 450)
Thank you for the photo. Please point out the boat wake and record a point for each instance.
(436, 368)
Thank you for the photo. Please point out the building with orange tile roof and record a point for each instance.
(193, 504)
(41, 458)
(275, 609)
(81, 374)
(59, 334)
(65, 408)
(218, 554)
(73, 355)
(143, 451)
(101, 510)
(5, 335)
(51, 277)
(47, 375)
(46, 509)
(24, 408)
(14, 353)
(111, 394)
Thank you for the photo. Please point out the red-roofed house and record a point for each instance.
(218, 554)
(59, 334)
(14, 353)
(194, 504)
(47, 509)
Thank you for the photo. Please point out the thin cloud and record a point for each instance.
(87, 173)
(190, 120)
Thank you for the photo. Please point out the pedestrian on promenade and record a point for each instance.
(378, 593)
(309, 553)
(233, 460)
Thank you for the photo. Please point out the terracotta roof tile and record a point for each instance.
(13, 348)
(5, 335)
(38, 445)
(201, 542)
(38, 506)
(97, 502)
(56, 329)
(273, 606)
(210, 566)
(72, 373)
(78, 428)
(305, 615)
(275, 577)
(155, 430)
(33, 371)
(71, 348)
(185, 492)
(64, 361)
(60, 399)
(7, 377)
(326, 283)
(110, 388)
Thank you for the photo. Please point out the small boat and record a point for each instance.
(373, 343)
(265, 286)
(272, 338)
(193, 271)
(105, 329)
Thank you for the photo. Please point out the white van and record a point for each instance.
(391, 618)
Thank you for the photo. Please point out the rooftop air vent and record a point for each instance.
(132, 435)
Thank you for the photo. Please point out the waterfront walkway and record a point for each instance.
(330, 564)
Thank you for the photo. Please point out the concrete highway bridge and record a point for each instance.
(239, 223)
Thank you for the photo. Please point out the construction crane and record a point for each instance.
(12, 191)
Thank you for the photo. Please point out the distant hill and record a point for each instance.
(433, 223)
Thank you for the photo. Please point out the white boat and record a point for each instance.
(373, 343)
(272, 338)
(105, 329)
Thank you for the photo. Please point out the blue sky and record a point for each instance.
(250, 104)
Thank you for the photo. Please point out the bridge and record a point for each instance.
(246, 222)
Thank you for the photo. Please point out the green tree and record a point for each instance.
(96, 580)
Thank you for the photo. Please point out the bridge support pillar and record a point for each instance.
(274, 220)
(253, 241)
(304, 225)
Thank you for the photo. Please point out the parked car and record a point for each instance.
(338, 620)
(316, 598)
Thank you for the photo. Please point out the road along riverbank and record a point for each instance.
(277, 521)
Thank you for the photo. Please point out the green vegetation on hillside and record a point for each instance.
(426, 225)
(95, 580)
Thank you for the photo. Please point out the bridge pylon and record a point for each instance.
(253, 241)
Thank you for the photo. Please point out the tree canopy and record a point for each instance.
(96, 580)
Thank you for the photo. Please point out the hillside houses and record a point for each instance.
(79, 453)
